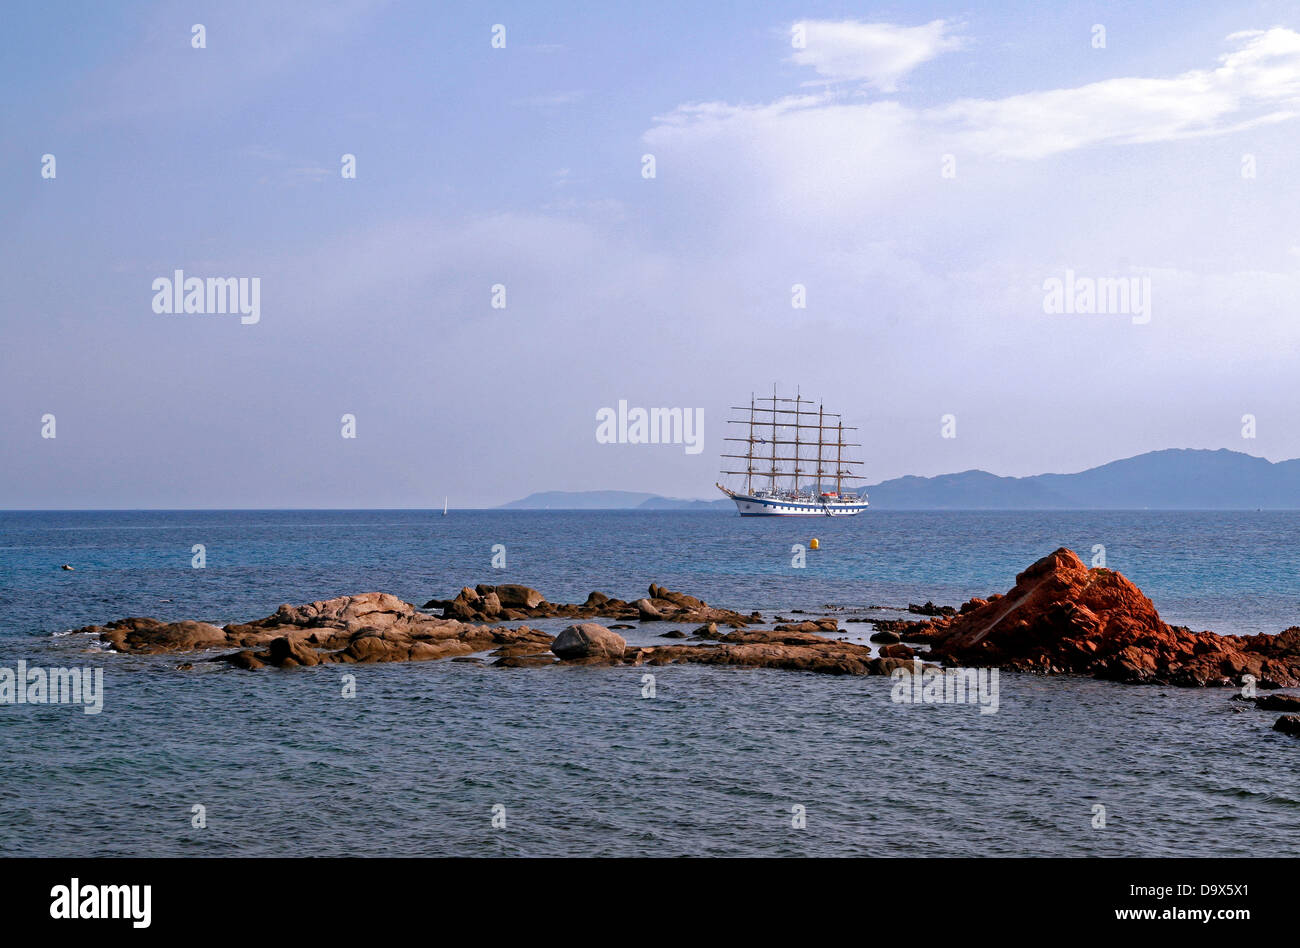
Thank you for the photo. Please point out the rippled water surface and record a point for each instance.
(712, 765)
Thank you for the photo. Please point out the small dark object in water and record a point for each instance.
(1288, 724)
(930, 609)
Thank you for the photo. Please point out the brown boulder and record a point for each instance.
(896, 651)
(647, 611)
(524, 661)
(1278, 702)
(149, 636)
(589, 640)
(491, 604)
(285, 651)
(1288, 724)
(514, 596)
(246, 660)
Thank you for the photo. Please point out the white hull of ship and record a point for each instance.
(750, 506)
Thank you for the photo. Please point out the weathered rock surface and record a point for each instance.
(508, 603)
(821, 655)
(372, 627)
(146, 636)
(810, 625)
(896, 651)
(930, 609)
(1062, 616)
(513, 596)
(376, 627)
(1278, 702)
(589, 640)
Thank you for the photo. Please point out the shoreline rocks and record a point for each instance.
(1063, 617)
(512, 602)
(377, 627)
(1060, 617)
(371, 627)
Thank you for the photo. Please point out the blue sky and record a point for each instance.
(522, 166)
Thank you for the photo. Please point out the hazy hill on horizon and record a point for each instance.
(1169, 479)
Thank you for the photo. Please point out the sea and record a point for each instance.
(465, 759)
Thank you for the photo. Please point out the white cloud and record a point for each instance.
(1258, 82)
(878, 54)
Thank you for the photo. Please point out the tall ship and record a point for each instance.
(794, 463)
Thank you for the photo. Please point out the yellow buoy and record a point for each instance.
(813, 544)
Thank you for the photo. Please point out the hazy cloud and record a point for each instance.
(878, 54)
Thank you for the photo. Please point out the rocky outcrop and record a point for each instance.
(589, 640)
(813, 654)
(372, 627)
(1062, 616)
(376, 627)
(1278, 702)
(149, 636)
(896, 651)
(509, 603)
(930, 609)
(1288, 724)
(810, 625)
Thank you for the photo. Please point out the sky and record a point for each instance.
(921, 170)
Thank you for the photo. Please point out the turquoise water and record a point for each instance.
(582, 764)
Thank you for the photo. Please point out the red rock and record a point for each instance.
(1062, 616)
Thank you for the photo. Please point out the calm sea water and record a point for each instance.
(582, 764)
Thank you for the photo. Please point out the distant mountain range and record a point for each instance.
(1174, 479)
(609, 500)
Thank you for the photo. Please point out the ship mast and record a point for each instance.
(820, 415)
(774, 437)
(798, 401)
(749, 466)
(839, 463)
